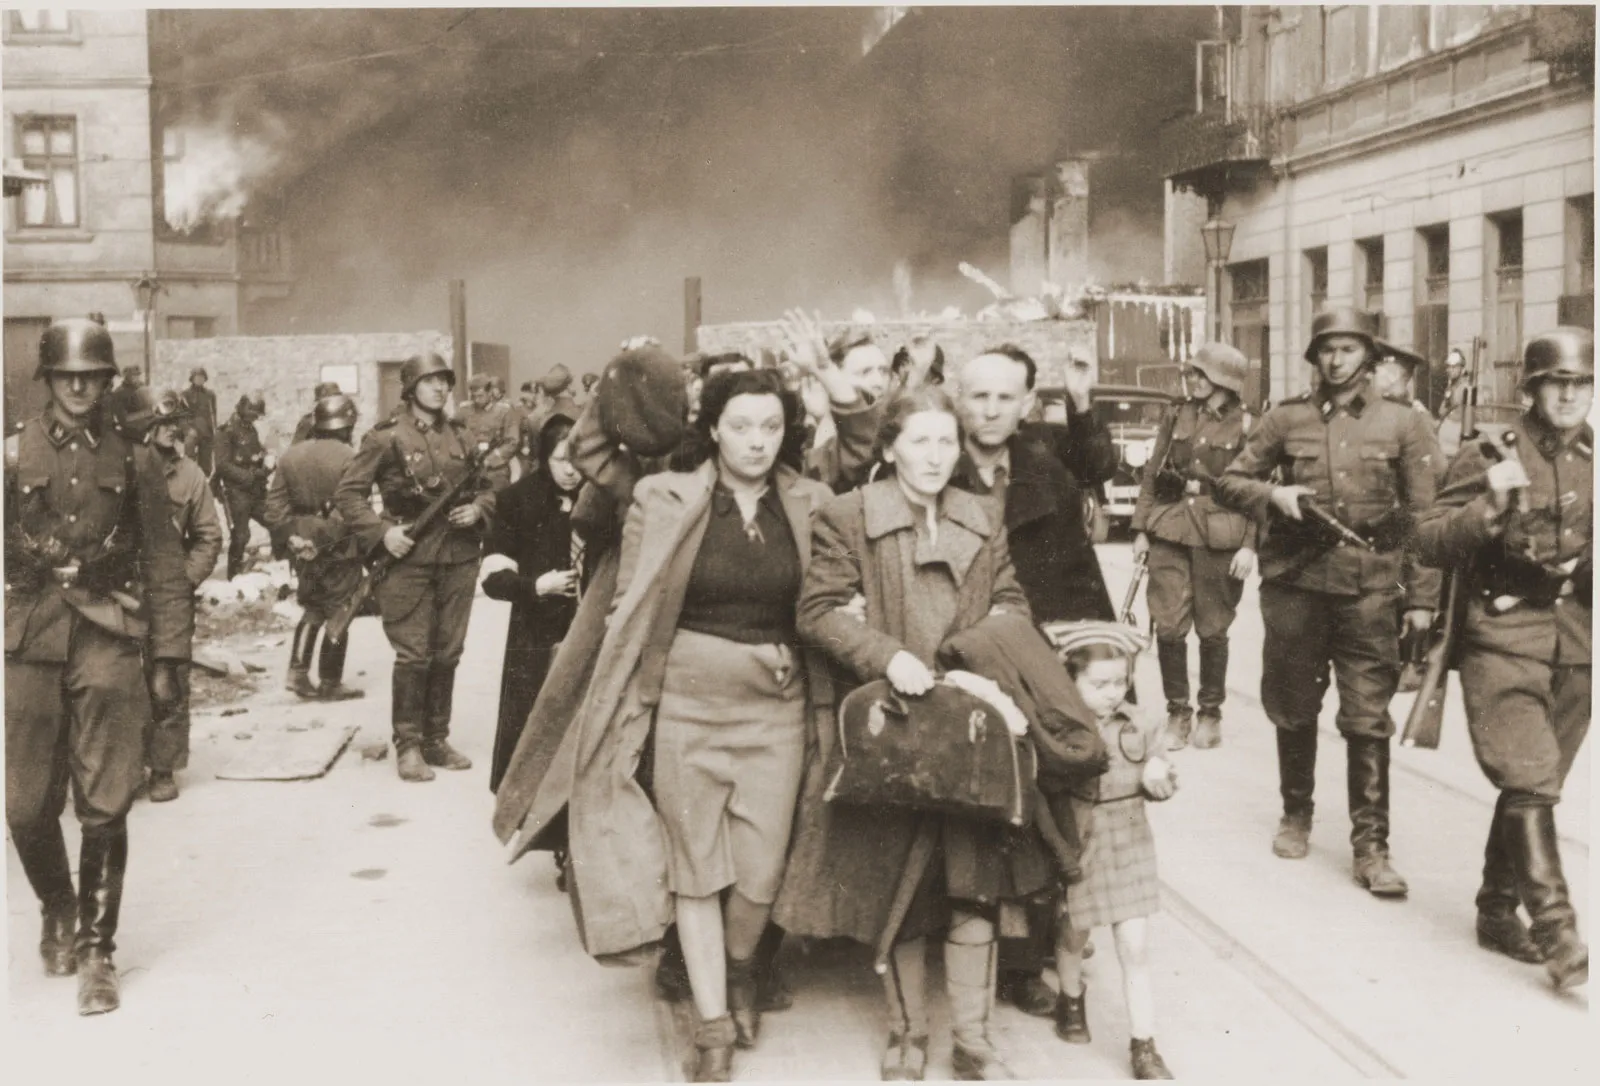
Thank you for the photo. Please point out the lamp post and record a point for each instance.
(1218, 238)
(145, 288)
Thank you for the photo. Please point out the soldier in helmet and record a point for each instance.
(307, 425)
(1516, 519)
(202, 405)
(94, 580)
(488, 421)
(1326, 603)
(301, 516)
(194, 512)
(242, 469)
(130, 402)
(413, 457)
(1201, 553)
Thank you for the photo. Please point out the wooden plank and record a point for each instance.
(286, 755)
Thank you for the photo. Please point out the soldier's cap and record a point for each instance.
(1223, 366)
(325, 389)
(1347, 320)
(76, 345)
(479, 381)
(168, 408)
(1562, 352)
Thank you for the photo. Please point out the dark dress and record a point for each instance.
(533, 527)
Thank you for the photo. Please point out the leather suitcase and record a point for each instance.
(947, 751)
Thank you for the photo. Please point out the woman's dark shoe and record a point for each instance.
(905, 1059)
(713, 1050)
(1028, 992)
(743, 1002)
(1147, 1062)
(1072, 1017)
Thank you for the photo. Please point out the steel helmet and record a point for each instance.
(423, 365)
(325, 389)
(76, 345)
(334, 413)
(1563, 352)
(1224, 366)
(169, 408)
(252, 403)
(480, 381)
(1346, 320)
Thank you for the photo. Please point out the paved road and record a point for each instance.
(356, 924)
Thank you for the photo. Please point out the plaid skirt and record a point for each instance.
(1119, 868)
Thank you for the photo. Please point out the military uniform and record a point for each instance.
(94, 577)
(242, 469)
(194, 514)
(1370, 462)
(491, 425)
(300, 502)
(1192, 546)
(426, 598)
(1526, 650)
(202, 406)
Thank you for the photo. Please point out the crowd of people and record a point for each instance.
(749, 590)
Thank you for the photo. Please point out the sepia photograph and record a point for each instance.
(731, 542)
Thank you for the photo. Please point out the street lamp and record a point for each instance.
(146, 287)
(1218, 238)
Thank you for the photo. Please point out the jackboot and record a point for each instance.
(330, 672)
(1531, 840)
(409, 692)
(905, 1056)
(436, 748)
(969, 971)
(1297, 780)
(743, 1003)
(713, 1048)
(1147, 1062)
(1213, 691)
(43, 852)
(1499, 927)
(1173, 656)
(102, 864)
(300, 650)
(1072, 1017)
(772, 990)
(1367, 777)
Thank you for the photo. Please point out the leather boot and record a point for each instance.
(1297, 779)
(1531, 839)
(1072, 1017)
(102, 863)
(743, 1005)
(772, 991)
(1367, 775)
(1173, 657)
(330, 672)
(1213, 691)
(43, 852)
(409, 686)
(1500, 929)
(969, 971)
(713, 1049)
(300, 649)
(1147, 1062)
(163, 787)
(1028, 992)
(436, 748)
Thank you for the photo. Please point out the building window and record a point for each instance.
(191, 327)
(1317, 278)
(1248, 329)
(47, 22)
(1431, 333)
(1505, 308)
(1577, 299)
(1369, 276)
(49, 145)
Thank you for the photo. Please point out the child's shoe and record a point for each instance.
(1147, 1062)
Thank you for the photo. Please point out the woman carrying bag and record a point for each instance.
(930, 561)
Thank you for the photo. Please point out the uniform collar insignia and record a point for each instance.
(59, 433)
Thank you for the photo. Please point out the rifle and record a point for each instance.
(1141, 566)
(1426, 719)
(340, 617)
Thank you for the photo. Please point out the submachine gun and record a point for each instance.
(340, 617)
(1426, 719)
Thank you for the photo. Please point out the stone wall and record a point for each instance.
(1052, 343)
(285, 369)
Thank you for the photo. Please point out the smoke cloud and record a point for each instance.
(575, 165)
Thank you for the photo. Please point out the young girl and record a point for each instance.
(1119, 860)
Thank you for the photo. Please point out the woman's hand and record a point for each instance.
(908, 675)
(1159, 781)
(557, 582)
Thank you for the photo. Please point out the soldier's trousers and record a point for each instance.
(1307, 633)
(425, 611)
(242, 509)
(1190, 589)
(167, 739)
(80, 723)
(1527, 720)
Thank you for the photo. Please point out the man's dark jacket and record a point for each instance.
(1050, 544)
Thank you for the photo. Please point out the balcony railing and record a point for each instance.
(1200, 145)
